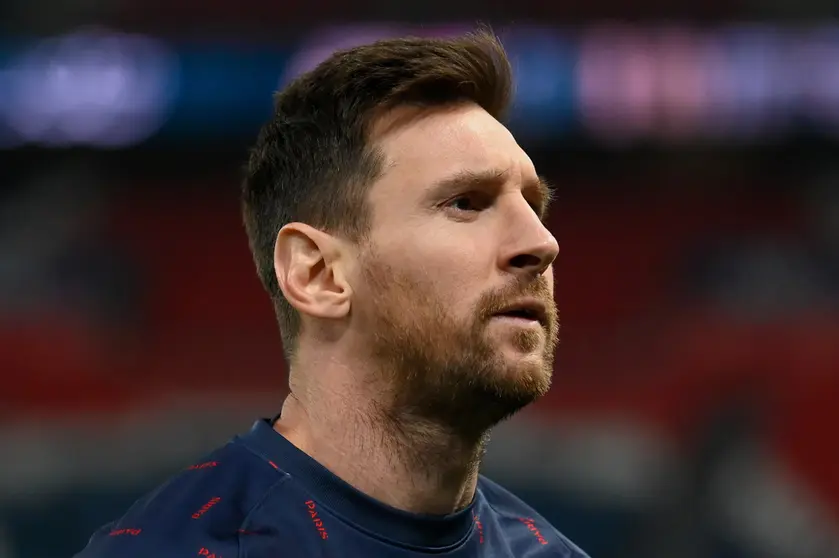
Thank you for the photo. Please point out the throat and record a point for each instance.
(436, 470)
(408, 463)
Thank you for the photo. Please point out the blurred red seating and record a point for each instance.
(197, 268)
(54, 363)
(806, 423)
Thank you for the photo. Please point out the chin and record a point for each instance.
(517, 355)
(527, 370)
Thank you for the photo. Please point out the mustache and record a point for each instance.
(496, 301)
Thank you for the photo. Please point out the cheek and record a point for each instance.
(460, 265)
(441, 261)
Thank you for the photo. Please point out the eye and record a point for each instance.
(463, 203)
(468, 203)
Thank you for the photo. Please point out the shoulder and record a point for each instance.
(197, 512)
(510, 509)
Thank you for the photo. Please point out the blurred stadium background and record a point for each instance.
(696, 150)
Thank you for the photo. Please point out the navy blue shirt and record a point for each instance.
(261, 497)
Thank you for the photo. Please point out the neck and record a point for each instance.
(406, 462)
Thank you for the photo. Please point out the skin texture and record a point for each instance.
(403, 363)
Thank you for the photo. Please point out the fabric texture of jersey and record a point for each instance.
(259, 496)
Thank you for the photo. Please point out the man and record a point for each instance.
(398, 228)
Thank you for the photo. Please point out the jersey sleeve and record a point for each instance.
(111, 541)
(191, 515)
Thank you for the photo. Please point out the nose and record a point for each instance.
(530, 248)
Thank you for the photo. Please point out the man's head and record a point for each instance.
(390, 212)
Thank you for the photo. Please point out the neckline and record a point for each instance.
(353, 506)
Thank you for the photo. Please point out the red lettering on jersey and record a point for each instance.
(316, 520)
(480, 528)
(132, 532)
(531, 525)
(205, 508)
(205, 552)
(206, 465)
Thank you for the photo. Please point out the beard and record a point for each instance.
(445, 372)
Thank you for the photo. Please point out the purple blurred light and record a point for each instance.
(92, 87)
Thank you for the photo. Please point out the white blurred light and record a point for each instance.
(614, 84)
(682, 83)
(93, 87)
(746, 82)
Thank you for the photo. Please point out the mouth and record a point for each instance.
(530, 310)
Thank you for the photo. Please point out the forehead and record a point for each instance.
(421, 148)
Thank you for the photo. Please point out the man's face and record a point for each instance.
(454, 289)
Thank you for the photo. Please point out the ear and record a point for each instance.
(309, 268)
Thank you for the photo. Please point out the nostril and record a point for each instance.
(523, 261)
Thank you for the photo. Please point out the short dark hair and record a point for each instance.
(313, 163)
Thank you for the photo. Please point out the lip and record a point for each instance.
(535, 309)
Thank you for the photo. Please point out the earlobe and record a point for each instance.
(309, 268)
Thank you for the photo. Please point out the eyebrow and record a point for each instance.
(468, 179)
